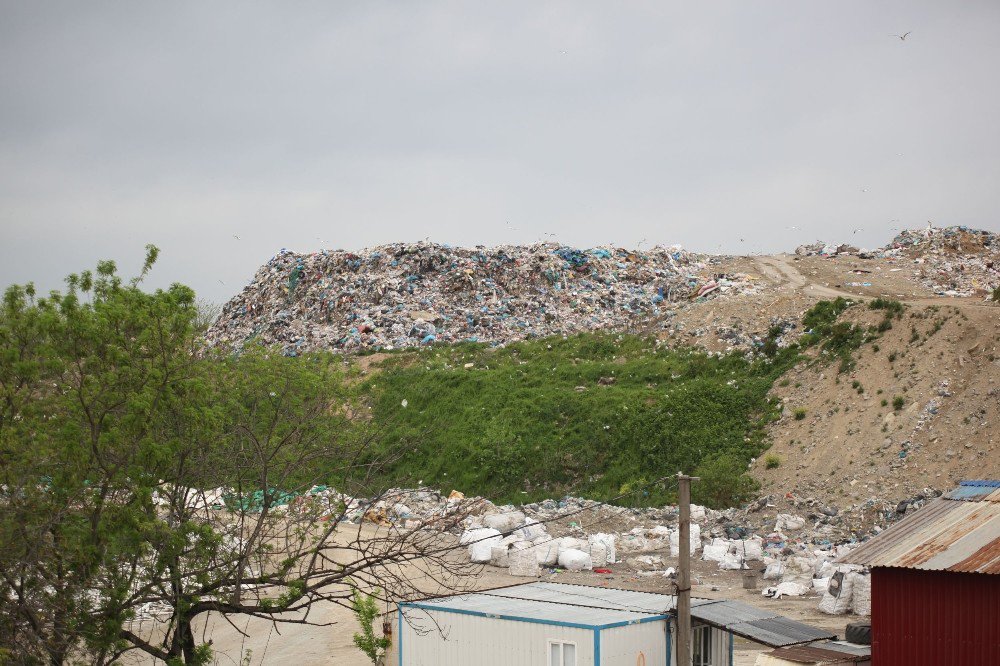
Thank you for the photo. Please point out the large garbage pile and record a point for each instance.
(791, 541)
(950, 261)
(405, 295)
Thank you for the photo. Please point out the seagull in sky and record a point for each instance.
(236, 237)
(902, 37)
(856, 231)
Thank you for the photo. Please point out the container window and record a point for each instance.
(562, 653)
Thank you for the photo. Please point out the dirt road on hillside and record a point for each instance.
(784, 272)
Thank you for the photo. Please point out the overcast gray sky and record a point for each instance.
(324, 124)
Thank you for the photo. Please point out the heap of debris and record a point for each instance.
(953, 261)
(405, 295)
(950, 261)
(793, 541)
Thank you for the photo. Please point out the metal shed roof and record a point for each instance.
(592, 607)
(758, 625)
(508, 607)
(957, 532)
(822, 653)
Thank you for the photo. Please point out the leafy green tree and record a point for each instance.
(146, 483)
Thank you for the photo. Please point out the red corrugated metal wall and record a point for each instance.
(935, 618)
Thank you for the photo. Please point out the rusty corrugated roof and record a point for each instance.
(957, 532)
(811, 654)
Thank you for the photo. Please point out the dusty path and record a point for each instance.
(779, 269)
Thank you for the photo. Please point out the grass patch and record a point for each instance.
(535, 420)
(772, 461)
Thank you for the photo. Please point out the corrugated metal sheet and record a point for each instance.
(975, 490)
(588, 595)
(945, 535)
(811, 654)
(934, 617)
(506, 607)
(760, 626)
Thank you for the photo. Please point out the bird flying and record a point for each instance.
(902, 37)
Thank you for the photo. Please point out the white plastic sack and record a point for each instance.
(861, 593)
(608, 541)
(750, 549)
(675, 541)
(575, 560)
(731, 562)
(572, 543)
(837, 600)
(820, 585)
(481, 541)
(504, 522)
(774, 571)
(598, 553)
(532, 529)
(546, 551)
(523, 563)
(714, 553)
(697, 513)
(801, 565)
(788, 521)
(790, 589)
(827, 569)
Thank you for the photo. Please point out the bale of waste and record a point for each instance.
(750, 549)
(499, 556)
(530, 530)
(608, 541)
(480, 541)
(598, 553)
(546, 551)
(861, 593)
(774, 571)
(504, 522)
(675, 540)
(523, 563)
(713, 553)
(572, 543)
(837, 600)
(572, 559)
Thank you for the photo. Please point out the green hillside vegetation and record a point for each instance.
(599, 415)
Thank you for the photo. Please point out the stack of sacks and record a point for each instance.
(480, 541)
(675, 541)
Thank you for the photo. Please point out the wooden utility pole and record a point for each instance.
(684, 570)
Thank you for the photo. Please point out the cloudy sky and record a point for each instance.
(224, 131)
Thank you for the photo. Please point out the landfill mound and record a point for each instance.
(951, 261)
(405, 295)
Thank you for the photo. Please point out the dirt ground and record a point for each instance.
(306, 645)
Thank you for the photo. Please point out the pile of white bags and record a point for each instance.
(480, 541)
